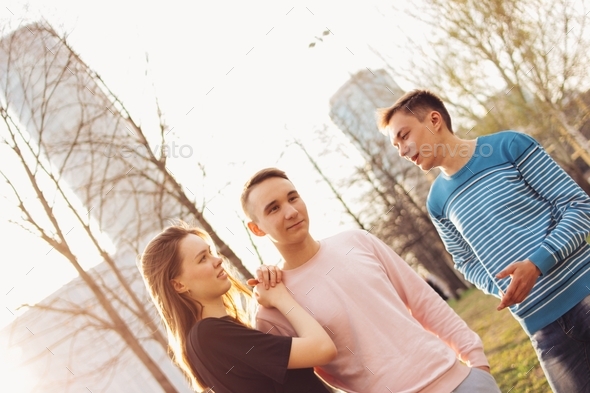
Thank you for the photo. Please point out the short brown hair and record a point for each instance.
(257, 178)
(416, 103)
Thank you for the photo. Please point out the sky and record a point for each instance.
(234, 79)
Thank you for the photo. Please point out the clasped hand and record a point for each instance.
(268, 279)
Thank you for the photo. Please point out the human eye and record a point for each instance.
(273, 209)
(205, 255)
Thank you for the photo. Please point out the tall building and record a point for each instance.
(402, 188)
(77, 126)
(353, 110)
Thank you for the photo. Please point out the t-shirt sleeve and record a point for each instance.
(225, 347)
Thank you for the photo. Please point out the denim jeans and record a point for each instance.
(563, 348)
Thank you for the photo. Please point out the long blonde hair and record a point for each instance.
(161, 262)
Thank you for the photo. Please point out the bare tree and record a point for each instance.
(85, 158)
(382, 206)
(396, 189)
(506, 65)
(55, 235)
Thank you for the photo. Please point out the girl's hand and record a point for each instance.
(271, 297)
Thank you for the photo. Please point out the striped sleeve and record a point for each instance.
(464, 258)
(570, 205)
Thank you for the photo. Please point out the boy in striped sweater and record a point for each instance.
(515, 223)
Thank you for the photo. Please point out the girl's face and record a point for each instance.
(201, 271)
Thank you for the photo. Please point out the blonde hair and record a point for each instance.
(161, 262)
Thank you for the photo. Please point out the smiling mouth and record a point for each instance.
(294, 225)
(414, 158)
(221, 273)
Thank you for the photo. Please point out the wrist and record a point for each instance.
(535, 267)
(284, 305)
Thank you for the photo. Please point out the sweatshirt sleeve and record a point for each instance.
(464, 258)
(570, 205)
(428, 308)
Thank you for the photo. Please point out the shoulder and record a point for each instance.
(505, 136)
(224, 335)
(211, 328)
(344, 237)
(439, 191)
(513, 144)
(353, 237)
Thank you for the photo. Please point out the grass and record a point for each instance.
(512, 359)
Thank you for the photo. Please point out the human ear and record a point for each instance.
(178, 286)
(255, 229)
(436, 120)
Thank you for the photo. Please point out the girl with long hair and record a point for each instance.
(209, 335)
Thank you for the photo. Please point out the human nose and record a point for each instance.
(394, 142)
(291, 212)
(402, 150)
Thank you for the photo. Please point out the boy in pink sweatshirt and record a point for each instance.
(392, 331)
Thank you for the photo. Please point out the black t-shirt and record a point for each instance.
(232, 358)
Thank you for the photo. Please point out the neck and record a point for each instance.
(297, 254)
(457, 153)
(213, 309)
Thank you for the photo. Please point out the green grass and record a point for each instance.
(508, 349)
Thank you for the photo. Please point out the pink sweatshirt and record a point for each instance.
(393, 332)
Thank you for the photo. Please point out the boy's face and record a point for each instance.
(415, 140)
(278, 211)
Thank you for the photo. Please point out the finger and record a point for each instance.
(508, 270)
(273, 276)
(279, 276)
(252, 282)
(259, 275)
(507, 299)
(267, 276)
(502, 305)
(263, 275)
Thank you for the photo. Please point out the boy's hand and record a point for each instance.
(524, 275)
(269, 275)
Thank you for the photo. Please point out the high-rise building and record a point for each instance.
(78, 127)
(402, 187)
(353, 110)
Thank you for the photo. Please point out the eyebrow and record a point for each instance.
(275, 201)
(204, 251)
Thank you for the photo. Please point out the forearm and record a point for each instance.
(570, 208)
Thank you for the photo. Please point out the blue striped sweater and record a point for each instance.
(512, 202)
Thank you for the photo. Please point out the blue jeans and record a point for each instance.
(563, 348)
